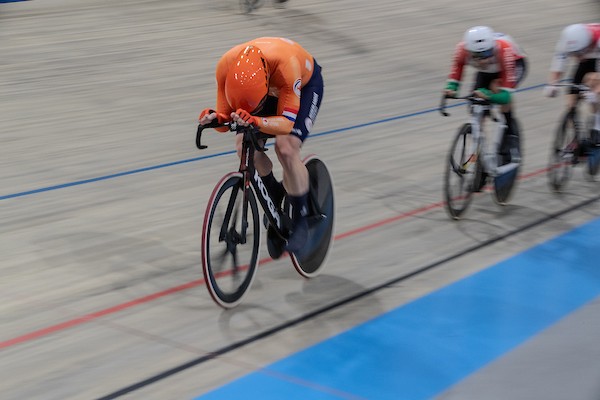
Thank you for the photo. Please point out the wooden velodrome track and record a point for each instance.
(103, 191)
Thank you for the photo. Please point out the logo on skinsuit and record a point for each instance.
(265, 194)
(308, 123)
(297, 85)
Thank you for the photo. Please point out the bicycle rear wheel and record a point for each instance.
(505, 182)
(593, 151)
(230, 241)
(563, 153)
(462, 167)
(311, 258)
(593, 162)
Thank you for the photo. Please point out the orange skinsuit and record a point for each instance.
(290, 67)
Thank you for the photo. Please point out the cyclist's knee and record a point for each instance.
(592, 79)
(287, 147)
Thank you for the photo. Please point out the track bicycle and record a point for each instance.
(231, 232)
(471, 161)
(247, 6)
(574, 141)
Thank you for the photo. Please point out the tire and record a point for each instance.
(508, 166)
(309, 261)
(562, 154)
(593, 163)
(593, 156)
(230, 258)
(463, 171)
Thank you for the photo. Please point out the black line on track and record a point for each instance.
(261, 335)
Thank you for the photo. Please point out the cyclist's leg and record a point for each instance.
(592, 80)
(288, 151)
(295, 178)
(585, 66)
(263, 163)
(512, 135)
(583, 69)
(483, 80)
(512, 127)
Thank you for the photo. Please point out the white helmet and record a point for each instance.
(574, 39)
(479, 41)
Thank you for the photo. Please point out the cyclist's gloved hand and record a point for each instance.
(451, 89)
(499, 97)
(245, 118)
(550, 90)
(450, 93)
(208, 115)
(483, 93)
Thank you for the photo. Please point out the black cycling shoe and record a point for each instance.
(298, 237)
(275, 244)
(479, 184)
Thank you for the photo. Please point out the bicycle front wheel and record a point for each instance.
(462, 167)
(563, 153)
(230, 241)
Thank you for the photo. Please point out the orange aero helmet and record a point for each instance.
(247, 82)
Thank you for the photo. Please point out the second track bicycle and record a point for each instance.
(471, 160)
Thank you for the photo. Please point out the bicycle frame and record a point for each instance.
(478, 114)
(251, 143)
(580, 127)
(478, 110)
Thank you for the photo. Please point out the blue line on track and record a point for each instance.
(160, 166)
(423, 348)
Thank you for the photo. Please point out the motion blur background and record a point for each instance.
(103, 190)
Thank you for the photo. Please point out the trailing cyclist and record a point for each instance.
(580, 42)
(501, 66)
(275, 85)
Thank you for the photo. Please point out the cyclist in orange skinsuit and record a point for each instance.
(275, 85)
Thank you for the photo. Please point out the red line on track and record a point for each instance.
(180, 288)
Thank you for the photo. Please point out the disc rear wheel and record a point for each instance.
(321, 217)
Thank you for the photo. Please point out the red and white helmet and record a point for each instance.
(574, 39)
(479, 41)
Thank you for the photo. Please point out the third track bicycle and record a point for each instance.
(574, 141)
